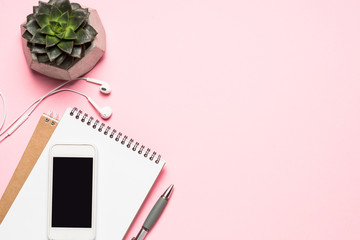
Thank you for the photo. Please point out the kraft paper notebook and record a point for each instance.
(36, 145)
(126, 172)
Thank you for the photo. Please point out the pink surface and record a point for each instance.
(254, 105)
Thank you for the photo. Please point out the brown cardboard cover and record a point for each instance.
(37, 143)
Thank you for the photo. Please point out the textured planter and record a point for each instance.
(84, 65)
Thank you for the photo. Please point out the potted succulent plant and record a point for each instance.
(63, 40)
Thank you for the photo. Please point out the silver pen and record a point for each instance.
(154, 214)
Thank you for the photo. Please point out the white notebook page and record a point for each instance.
(124, 180)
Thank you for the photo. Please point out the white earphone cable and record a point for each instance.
(52, 92)
(66, 89)
(4, 110)
(23, 116)
(37, 101)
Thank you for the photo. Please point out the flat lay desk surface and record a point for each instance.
(254, 104)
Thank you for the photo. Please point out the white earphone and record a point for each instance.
(104, 112)
(104, 87)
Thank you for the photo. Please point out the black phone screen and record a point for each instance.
(72, 188)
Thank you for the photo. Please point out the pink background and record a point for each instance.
(254, 105)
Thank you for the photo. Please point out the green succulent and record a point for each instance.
(58, 32)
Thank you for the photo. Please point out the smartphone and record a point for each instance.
(72, 192)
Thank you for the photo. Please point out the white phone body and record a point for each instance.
(72, 192)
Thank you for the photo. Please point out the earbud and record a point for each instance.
(105, 112)
(104, 87)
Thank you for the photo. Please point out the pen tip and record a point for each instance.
(168, 191)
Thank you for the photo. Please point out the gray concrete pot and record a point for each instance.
(84, 65)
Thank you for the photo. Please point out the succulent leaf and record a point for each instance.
(35, 9)
(61, 35)
(64, 18)
(31, 26)
(29, 45)
(47, 30)
(75, 6)
(63, 25)
(63, 5)
(36, 48)
(53, 53)
(68, 61)
(42, 19)
(42, 58)
(91, 32)
(44, 7)
(55, 13)
(38, 38)
(66, 46)
(51, 41)
(60, 59)
(75, 22)
(30, 17)
(27, 36)
(81, 12)
(77, 50)
(69, 34)
(82, 37)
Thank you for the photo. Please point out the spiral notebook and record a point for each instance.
(126, 172)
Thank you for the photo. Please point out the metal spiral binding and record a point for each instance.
(119, 137)
(50, 118)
